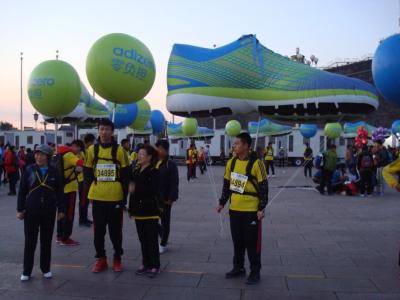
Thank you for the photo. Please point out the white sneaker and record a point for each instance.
(25, 278)
(47, 275)
(273, 176)
(162, 249)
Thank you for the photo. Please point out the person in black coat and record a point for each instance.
(145, 206)
(169, 189)
(39, 197)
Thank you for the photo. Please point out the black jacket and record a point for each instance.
(146, 200)
(169, 180)
(34, 196)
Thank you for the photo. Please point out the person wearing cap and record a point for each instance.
(40, 196)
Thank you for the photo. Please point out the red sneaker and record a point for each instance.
(117, 266)
(100, 265)
(69, 242)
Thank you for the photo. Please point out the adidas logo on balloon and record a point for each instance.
(132, 54)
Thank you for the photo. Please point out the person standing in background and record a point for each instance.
(308, 161)
(169, 189)
(269, 159)
(11, 168)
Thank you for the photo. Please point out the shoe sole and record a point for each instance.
(96, 272)
(235, 276)
(326, 107)
(252, 283)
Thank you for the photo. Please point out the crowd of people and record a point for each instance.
(144, 181)
(113, 178)
(361, 173)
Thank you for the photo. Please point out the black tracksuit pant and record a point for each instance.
(269, 164)
(107, 213)
(148, 236)
(308, 168)
(65, 225)
(35, 221)
(12, 181)
(366, 182)
(164, 228)
(246, 235)
(83, 203)
(326, 180)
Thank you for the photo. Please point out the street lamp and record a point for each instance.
(20, 113)
(36, 118)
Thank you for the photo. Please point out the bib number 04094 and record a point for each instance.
(238, 182)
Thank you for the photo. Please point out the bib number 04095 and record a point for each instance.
(106, 172)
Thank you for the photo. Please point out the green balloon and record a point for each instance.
(120, 68)
(233, 128)
(333, 130)
(54, 88)
(189, 127)
(143, 115)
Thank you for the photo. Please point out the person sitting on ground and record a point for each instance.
(338, 180)
(352, 179)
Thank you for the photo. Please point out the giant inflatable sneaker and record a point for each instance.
(245, 76)
(268, 128)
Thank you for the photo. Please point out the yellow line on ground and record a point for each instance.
(184, 272)
(306, 276)
(69, 266)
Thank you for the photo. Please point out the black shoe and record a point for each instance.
(253, 278)
(236, 273)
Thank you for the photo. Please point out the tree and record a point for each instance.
(6, 126)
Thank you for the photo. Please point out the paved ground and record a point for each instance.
(314, 247)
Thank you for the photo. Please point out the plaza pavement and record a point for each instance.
(314, 247)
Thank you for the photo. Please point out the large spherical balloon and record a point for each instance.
(54, 88)
(125, 114)
(386, 68)
(157, 121)
(308, 130)
(143, 115)
(233, 128)
(333, 130)
(396, 128)
(120, 68)
(189, 127)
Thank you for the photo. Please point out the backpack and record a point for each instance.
(320, 161)
(366, 163)
(114, 150)
(57, 161)
(252, 179)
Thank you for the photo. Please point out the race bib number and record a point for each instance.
(106, 172)
(238, 182)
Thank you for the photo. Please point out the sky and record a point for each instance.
(329, 29)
